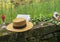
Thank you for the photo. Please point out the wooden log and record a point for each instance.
(40, 33)
(44, 33)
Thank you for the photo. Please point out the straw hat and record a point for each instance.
(19, 25)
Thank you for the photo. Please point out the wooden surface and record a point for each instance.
(45, 33)
(39, 33)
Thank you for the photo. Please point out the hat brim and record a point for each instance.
(28, 27)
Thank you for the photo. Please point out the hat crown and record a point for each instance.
(19, 22)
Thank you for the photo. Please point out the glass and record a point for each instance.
(3, 20)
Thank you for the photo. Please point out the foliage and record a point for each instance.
(41, 11)
(6, 4)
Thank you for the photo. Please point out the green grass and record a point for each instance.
(44, 8)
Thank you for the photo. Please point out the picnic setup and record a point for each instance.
(29, 21)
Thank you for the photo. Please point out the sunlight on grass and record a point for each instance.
(45, 8)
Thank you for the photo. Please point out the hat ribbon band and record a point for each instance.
(19, 27)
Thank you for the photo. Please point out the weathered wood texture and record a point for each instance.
(39, 33)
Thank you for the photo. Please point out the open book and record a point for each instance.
(27, 17)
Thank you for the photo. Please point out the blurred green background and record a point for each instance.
(36, 8)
